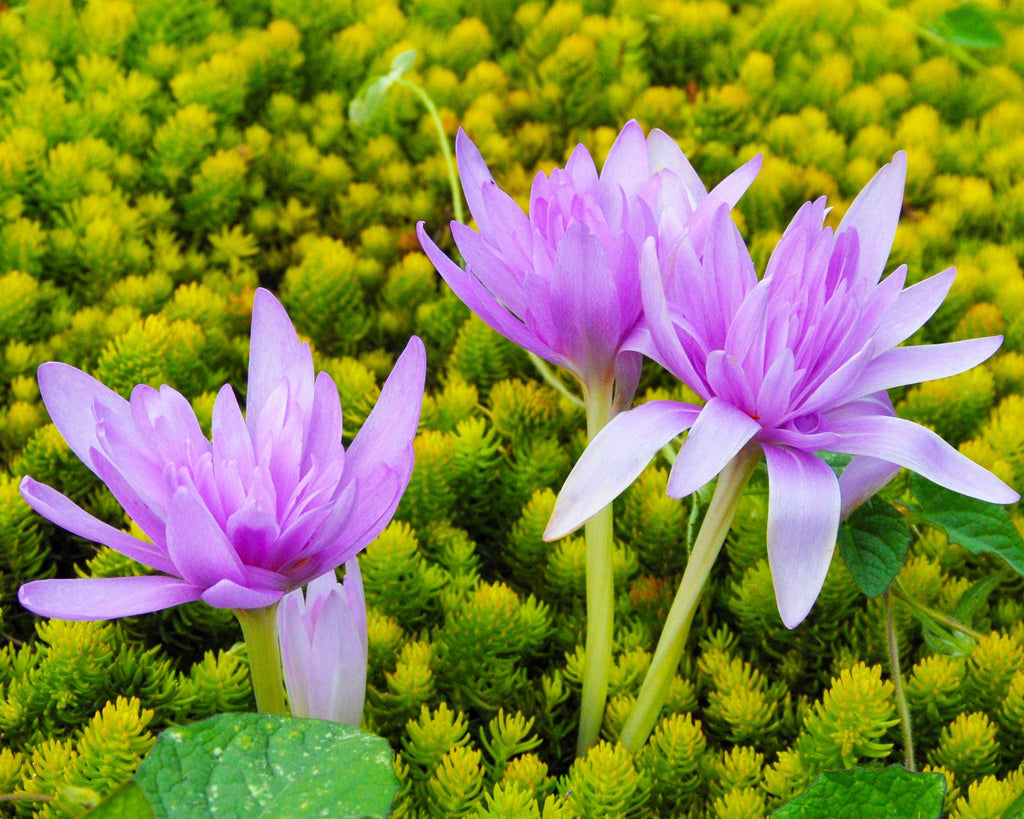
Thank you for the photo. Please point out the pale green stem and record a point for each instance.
(934, 614)
(552, 380)
(446, 151)
(600, 593)
(731, 482)
(897, 678)
(259, 628)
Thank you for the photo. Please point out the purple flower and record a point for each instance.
(271, 503)
(796, 363)
(323, 647)
(563, 282)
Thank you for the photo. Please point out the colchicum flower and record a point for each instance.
(323, 646)
(271, 503)
(563, 282)
(789, 366)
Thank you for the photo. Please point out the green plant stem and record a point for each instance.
(553, 380)
(897, 678)
(731, 482)
(600, 592)
(944, 619)
(446, 151)
(259, 628)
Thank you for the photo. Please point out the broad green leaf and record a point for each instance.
(127, 802)
(873, 543)
(867, 793)
(371, 98)
(969, 25)
(980, 527)
(1016, 808)
(259, 765)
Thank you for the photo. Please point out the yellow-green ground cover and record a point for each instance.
(160, 160)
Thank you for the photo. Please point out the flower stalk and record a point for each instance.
(731, 482)
(897, 678)
(599, 539)
(259, 628)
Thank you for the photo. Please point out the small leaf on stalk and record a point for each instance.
(969, 25)
(978, 526)
(371, 97)
(873, 543)
(860, 793)
(268, 766)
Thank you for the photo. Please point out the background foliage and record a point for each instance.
(159, 160)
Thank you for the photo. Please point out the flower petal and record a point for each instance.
(58, 509)
(226, 594)
(903, 442)
(861, 479)
(201, 552)
(912, 308)
(803, 520)
(104, 598)
(70, 396)
(909, 365)
(874, 214)
(627, 165)
(386, 435)
(719, 432)
(614, 459)
(275, 355)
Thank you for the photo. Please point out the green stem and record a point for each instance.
(446, 151)
(731, 482)
(934, 614)
(600, 593)
(553, 380)
(897, 678)
(259, 628)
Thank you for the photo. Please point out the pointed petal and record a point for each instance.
(475, 175)
(275, 355)
(201, 552)
(628, 366)
(665, 154)
(387, 434)
(104, 598)
(491, 269)
(874, 214)
(614, 459)
(910, 365)
(627, 165)
(477, 298)
(58, 509)
(70, 395)
(803, 520)
(905, 443)
(912, 308)
(719, 432)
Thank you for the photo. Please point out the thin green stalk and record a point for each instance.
(934, 614)
(553, 380)
(446, 151)
(897, 678)
(600, 594)
(259, 628)
(731, 482)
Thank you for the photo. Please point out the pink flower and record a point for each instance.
(796, 364)
(323, 647)
(272, 502)
(563, 282)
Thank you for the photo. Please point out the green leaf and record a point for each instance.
(867, 793)
(259, 765)
(127, 802)
(873, 543)
(974, 599)
(980, 527)
(371, 98)
(969, 25)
